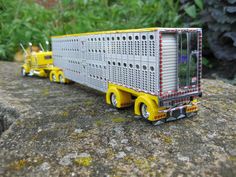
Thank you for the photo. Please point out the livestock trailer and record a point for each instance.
(157, 69)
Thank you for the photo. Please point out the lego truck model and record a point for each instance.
(156, 69)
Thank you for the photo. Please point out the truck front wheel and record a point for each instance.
(23, 72)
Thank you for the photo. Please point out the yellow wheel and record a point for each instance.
(61, 78)
(53, 76)
(146, 107)
(118, 98)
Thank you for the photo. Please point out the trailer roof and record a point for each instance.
(121, 31)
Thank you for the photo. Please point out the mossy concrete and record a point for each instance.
(68, 130)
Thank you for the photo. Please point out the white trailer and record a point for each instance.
(160, 64)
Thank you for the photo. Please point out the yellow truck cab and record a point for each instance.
(37, 63)
(41, 64)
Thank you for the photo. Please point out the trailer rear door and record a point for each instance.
(179, 61)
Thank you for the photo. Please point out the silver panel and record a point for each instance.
(128, 59)
(169, 59)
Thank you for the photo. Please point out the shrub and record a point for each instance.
(26, 21)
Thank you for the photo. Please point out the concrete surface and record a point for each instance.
(68, 130)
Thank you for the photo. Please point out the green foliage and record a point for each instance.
(206, 63)
(26, 21)
(22, 21)
(221, 33)
(191, 11)
(193, 8)
(199, 3)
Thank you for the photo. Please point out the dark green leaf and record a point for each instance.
(199, 3)
(191, 11)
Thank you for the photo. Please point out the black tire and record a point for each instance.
(113, 100)
(143, 111)
(61, 79)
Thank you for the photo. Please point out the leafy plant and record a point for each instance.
(26, 21)
(192, 8)
(191, 11)
(207, 63)
(221, 24)
(22, 21)
(199, 3)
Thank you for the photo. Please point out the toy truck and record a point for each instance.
(41, 64)
(156, 69)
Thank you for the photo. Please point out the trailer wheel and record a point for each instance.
(144, 112)
(113, 100)
(23, 72)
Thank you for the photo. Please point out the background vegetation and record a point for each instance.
(36, 20)
(26, 20)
